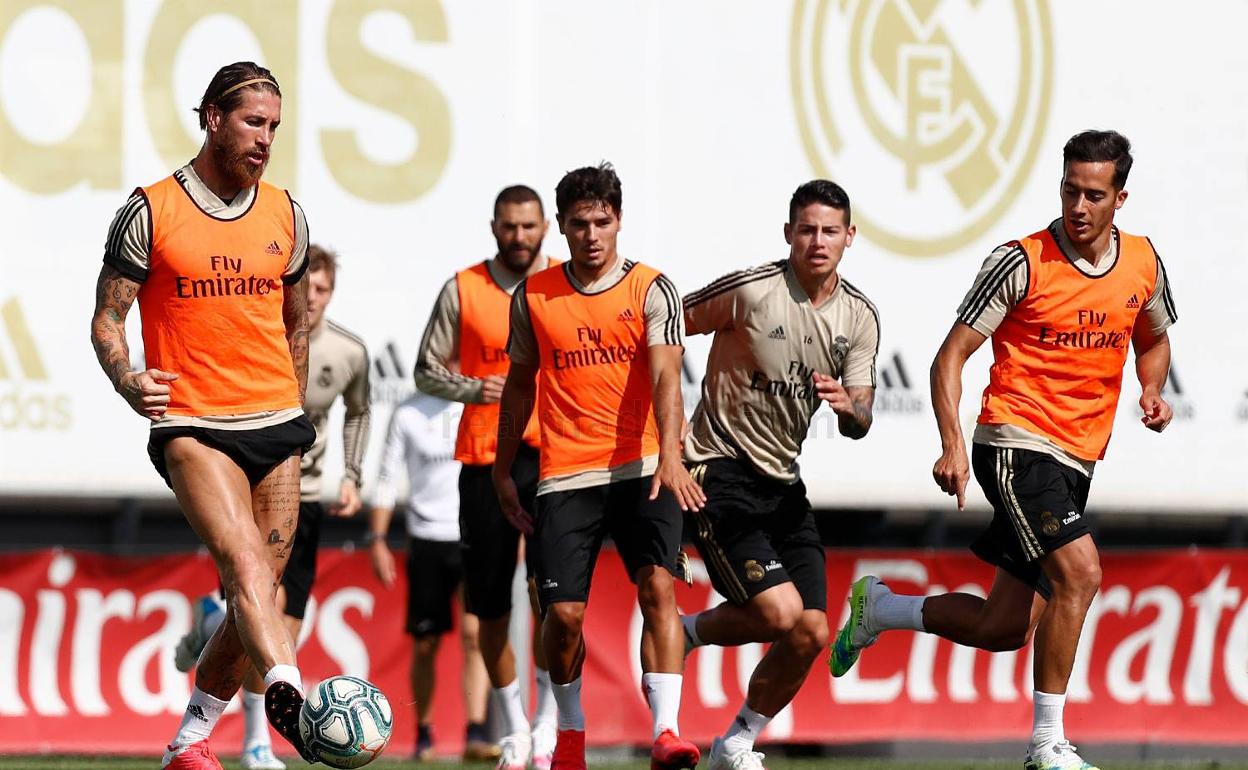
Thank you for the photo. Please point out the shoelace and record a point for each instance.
(749, 760)
(510, 747)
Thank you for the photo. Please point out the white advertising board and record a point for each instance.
(403, 118)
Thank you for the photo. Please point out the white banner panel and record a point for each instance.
(403, 118)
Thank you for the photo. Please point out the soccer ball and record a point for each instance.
(346, 721)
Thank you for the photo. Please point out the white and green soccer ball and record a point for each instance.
(346, 721)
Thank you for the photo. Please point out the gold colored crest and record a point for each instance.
(934, 136)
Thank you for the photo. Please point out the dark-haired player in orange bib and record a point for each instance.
(1061, 307)
(597, 341)
(463, 357)
(217, 260)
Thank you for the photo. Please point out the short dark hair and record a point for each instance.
(321, 258)
(518, 193)
(823, 191)
(1100, 147)
(225, 93)
(599, 184)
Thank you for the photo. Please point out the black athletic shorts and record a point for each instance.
(572, 524)
(300, 571)
(434, 572)
(489, 541)
(1038, 506)
(756, 532)
(257, 451)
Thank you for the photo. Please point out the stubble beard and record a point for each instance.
(514, 263)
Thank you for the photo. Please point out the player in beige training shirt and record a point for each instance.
(788, 336)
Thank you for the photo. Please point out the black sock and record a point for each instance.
(476, 732)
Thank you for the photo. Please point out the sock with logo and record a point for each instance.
(663, 693)
(284, 672)
(568, 698)
(512, 703)
(897, 611)
(545, 711)
(690, 622)
(745, 729)
(255, 721)
(1046, 724)
(202, 713)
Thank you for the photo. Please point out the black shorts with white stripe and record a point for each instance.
(1037, 507)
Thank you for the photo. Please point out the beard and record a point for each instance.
(518, 258)
(235, 167)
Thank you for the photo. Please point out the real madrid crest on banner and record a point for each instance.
(913, 95)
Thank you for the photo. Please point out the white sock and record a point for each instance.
(744, 731)
(255, 721)
(202, 713)
(1046, 724)
(690, 622)
(284, 672)
(545, 711)
(663, 693)
(568, 698)
(512, 705)
(897, 611)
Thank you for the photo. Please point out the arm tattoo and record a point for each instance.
(856, 425)
(295, 314)
(114, 294)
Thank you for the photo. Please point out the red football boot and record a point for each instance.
(569, 751)
(197, 756)
(671, 752)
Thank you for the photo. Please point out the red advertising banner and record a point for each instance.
(86, 656)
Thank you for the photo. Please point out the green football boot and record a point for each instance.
(854, 635)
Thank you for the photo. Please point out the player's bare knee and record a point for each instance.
(425, 646)
(566, 617)
(654, 590)
(775, 614)
(1077, 582)
(809, 636)
(493, 632)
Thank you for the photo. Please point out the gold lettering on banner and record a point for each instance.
(23, 343)
(274, 23)
(385, 85)
(29, 400)
(92, 154)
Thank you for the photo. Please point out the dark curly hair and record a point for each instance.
(599, 184)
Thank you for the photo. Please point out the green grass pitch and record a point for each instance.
(153, 763)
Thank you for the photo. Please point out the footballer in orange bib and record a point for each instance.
(596, 342)
(217, 260)
(1061, 307)
(463, 357)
